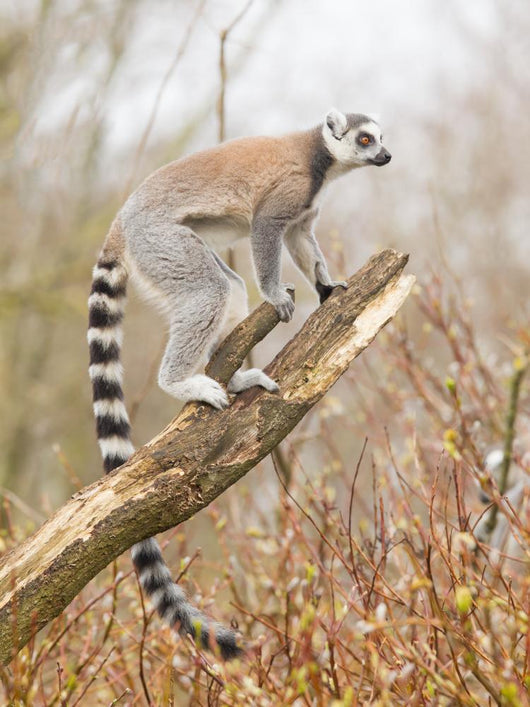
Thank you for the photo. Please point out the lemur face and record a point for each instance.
(355, 140)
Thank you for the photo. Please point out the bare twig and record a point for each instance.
(145, 623)
(21, 505)
(165, 79)
(223, 36)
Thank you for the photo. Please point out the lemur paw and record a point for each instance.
(285, 311)
(284, 303)
(324, 291)
(241, 380)
(205, 390)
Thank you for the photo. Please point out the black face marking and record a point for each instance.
(365, 136)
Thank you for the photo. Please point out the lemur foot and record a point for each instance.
(324, 291)
(241, 380)
(202, 389)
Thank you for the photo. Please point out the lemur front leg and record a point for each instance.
(305, 251)
(266, 240)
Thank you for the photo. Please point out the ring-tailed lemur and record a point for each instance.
(165, 237)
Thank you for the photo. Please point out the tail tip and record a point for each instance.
(220, 640)
(228, 644)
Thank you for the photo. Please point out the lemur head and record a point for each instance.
(354, 140)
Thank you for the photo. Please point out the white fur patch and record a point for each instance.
(115, 447)
(112, 371)
(242, 380)
(107, 336)
(373, 129)
(111, 408)
(197, 387)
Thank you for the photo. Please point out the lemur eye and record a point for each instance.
(365, 140)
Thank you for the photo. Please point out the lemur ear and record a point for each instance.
(337, 123)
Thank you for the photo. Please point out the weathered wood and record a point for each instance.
(199, 455)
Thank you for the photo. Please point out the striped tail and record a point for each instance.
(106, 310)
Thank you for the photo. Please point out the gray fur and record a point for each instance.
(266, 240)
(356, 120)
(195, 293)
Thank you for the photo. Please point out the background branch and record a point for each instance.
(521, 366)
(199, 455)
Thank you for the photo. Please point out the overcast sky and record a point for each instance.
(298, 58)
(303, 56)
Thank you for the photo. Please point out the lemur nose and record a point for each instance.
(387, 156)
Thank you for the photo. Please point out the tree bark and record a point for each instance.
(199, 455)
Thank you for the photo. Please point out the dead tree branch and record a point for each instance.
(199, 455)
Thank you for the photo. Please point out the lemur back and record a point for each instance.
(164, 238)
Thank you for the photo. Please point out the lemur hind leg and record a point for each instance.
(179, 273)
(237, 310)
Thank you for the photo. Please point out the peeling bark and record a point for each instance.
(199, 455)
